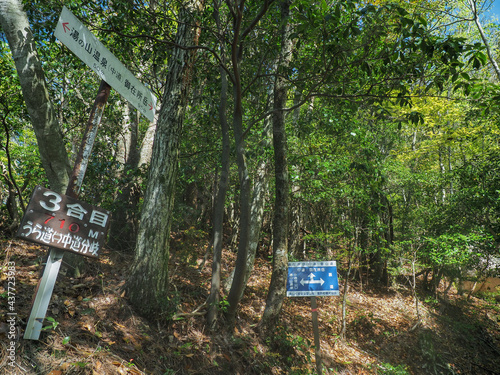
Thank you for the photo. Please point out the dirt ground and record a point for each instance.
(91, 328)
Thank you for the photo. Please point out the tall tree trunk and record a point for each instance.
(443, 172)
(277, 289)
(343, 329)
(473, 8)
(238, 284)
(259, 193)
(218, 216)
(53, 154)
(11, 201)
(123, 228)
(147, 285)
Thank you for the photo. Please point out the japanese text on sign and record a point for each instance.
(312, 279)
(63, 222)
(74, 35)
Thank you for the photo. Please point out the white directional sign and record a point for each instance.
(74, 35)
(308, 279)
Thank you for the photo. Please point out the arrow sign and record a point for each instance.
(310, 279)
(320, 281)
(74, 35)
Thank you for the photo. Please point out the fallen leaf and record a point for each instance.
(65, 366)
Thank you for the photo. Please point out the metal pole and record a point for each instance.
(317, 349)
(45, 286)
(82, 159)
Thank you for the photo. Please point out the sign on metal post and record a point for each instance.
(63, 222)
(308, 279)
(313, 279)
(74, 35)
(52, 202)
(43, 294)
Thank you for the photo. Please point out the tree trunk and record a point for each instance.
(148, 282)
(277, 289)
(343, 330)
(218, 217)
(259, 193)
(473, 8)
(11, 201)
(53, 154)
(238, 284)
(123, 228)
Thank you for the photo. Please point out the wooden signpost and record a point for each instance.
(61, 221)
(313, 279)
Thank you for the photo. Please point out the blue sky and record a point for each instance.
(495, 8)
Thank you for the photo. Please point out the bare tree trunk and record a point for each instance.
(53, 154)
(238, 284)
(123, 228)
(259, 194)
(239, 34)
(473, 8)
(11, 201)
(277, 289)
(147, 285)
(414, 286)
(218, 217)
(344, 297)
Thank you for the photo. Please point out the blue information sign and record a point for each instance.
(312, 279)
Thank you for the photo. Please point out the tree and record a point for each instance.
(219, 204)
(277, 289)
(53, 153)
(148, 282)
(240, 35)
(473, 8)
(18, 152)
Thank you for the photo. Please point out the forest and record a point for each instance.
(361, 132)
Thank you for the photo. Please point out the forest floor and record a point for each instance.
(92, 329)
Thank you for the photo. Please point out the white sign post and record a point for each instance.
(74, 35)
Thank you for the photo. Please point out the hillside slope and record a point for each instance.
(93, 330)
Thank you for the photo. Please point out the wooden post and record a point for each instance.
(317, 348)
(45, 286)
